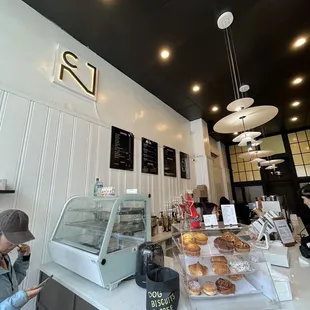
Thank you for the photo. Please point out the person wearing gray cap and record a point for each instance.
(14, 232)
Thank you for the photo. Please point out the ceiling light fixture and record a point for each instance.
(299, 42)
(295, 103)
(297, 80)
(196, 88)
(215, 108)
(164, 54)
(236, 133)
(294, 119)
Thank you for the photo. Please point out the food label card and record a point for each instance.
(210, 220)
(284, 232)
(229, 214)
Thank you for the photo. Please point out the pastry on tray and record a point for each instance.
(225, 247)
(238, 265)
(187, 241)
(225, 287)
(209, 288)
(241, 246)
(235, 277)
(218, 240)
(228, 236)
(198, 270)
(194, 287)
(218, 259)
(192, 249)
(220, 268)
(186, 238)
(201, 238)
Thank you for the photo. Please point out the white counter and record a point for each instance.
(131, 297)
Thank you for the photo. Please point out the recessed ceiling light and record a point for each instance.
(297, 80)
(300, 42)
(235, 133)
(295, 103)
(294, 119)
(215, 108)
(196, 88)
(164, 54)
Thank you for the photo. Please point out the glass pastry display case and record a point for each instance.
(98, 237)
(222, 269)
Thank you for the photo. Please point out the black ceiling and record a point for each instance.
(129, 35)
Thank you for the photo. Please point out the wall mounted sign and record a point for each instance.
(184, 166)
(170, 167)
(122, 149)
(149, 156)
(75, 74)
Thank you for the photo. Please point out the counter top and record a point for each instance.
(162, 236)
(129, 296)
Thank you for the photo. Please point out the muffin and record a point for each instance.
(217, 241)
(228, 236)
(201, 238)
(192, 249)
(226, 247)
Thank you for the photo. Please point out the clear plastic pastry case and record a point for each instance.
(221, 265)
(98, 237)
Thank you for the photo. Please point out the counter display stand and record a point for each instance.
(236, 273)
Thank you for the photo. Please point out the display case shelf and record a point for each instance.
(247, 273)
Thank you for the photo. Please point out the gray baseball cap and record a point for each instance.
(14, 225)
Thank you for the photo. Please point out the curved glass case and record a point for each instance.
(104, 230)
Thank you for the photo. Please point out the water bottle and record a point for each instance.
(98, 187)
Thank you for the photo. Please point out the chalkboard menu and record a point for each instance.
(149, 156)
(184, 166)
(170, 167)
(122, 148)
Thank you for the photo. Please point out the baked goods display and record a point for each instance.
(216, 266)
(235, 277)
(225, 287)
(198, 270)
(194, 288)
(201, 238)
(209, 288)
(192, 249)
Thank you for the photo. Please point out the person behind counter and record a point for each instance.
(13, 233)
(209, 208)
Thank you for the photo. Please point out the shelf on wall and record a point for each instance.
(7, 191)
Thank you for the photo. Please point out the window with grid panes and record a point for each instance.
(300, 148)
(242, 170)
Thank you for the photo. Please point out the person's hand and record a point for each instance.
(32, 292)
(24, 249)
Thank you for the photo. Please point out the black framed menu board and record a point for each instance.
(122, 149)
(184, 166)
(170, 167)
(149, 156)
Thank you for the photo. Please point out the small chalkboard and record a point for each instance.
(170, 167)
(184, 166)
(149, 156)
(122, 149)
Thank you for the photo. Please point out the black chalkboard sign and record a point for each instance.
(122, 149)
(170, 167)
(149, 156)
(184, 166)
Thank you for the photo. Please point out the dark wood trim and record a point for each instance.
(230, 172)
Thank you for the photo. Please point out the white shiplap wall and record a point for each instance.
(48, 155)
